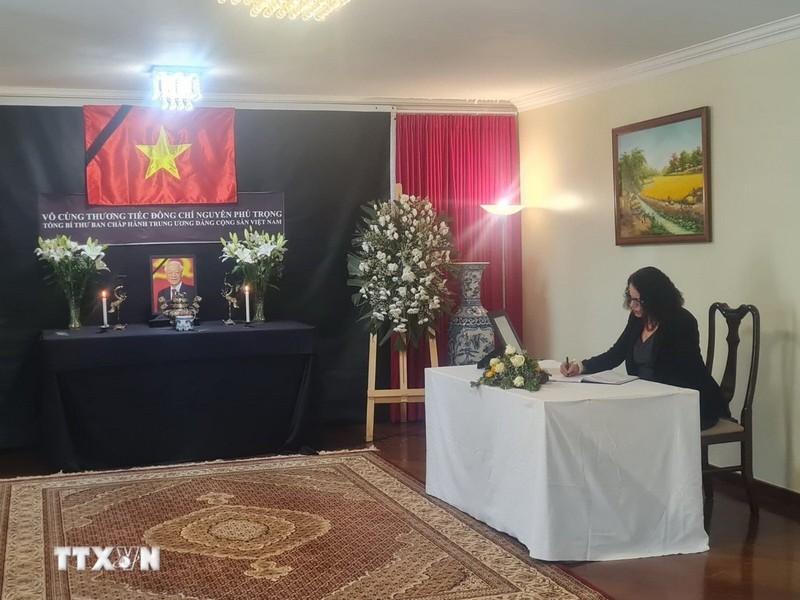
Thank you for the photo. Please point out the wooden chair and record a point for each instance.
(729, 429)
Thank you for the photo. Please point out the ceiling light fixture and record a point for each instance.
(305, 9)
(178, 88)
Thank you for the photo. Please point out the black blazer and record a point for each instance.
(676, 361)
(186, 289)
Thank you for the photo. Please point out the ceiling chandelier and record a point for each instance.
(178, 88)
(280, 9)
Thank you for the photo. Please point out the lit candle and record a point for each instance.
(247, 303)
(104, 294)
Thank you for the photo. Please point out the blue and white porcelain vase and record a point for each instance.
(471, 336)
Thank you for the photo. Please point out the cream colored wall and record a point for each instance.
(574, 274)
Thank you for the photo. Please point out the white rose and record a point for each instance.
(510, 350)
(494, 361)
(519, 381)
(518, 360)
(408, 274)
(499, 368)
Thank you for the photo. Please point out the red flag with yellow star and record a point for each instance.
(140, 155)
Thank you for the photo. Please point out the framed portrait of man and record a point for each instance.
(170, 275)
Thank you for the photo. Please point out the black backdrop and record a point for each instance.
(326, 163)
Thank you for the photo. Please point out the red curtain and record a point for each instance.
(461, 162)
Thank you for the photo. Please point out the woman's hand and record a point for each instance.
(571, 368)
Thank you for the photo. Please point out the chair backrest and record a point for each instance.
(734, 317)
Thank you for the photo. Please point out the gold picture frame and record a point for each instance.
(662, 191)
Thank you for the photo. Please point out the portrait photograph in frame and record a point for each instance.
(662, 191)
(504, 333)
(172, 272)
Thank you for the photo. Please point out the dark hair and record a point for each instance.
(660, 298)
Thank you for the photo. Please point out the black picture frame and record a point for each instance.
(504, 332)
(158, 279)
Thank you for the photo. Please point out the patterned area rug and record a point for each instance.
(335, 526)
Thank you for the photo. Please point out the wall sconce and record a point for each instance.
(177, 88)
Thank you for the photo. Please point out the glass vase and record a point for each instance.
(258, 305)
(74, 308)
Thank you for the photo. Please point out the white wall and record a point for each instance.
(574, 274)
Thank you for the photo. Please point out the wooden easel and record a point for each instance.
(402, 395)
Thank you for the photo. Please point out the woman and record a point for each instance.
(660, 343)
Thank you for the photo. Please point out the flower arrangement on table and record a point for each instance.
(259, 260)
(513, 369)
(400, 267)
(71, 265)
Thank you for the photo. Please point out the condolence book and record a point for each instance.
(607, 377)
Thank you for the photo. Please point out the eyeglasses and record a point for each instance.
(634, 302)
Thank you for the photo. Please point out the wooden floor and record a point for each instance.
(753, 560)
(748, 560)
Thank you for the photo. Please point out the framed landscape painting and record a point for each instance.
(662, 190)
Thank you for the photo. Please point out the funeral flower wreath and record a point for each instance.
(400, 265)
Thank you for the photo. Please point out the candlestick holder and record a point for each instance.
(229, 292)
(120, 295)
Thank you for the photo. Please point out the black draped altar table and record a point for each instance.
(145, 396)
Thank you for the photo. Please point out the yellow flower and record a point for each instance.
(489, 374)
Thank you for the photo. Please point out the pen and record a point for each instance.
(567, 362)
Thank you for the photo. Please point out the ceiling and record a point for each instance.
(470, 51)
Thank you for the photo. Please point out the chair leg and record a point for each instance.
(708, 500)
(708, 492)
(747, 475)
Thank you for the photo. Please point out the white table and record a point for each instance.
(575, 471)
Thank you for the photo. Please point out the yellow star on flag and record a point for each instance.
(162, 155)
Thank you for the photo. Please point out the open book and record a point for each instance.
(609, 377)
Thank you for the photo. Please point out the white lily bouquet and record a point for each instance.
(401, 265)
(71, 265)
(259, 260)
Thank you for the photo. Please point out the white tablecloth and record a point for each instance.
(576, 471)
